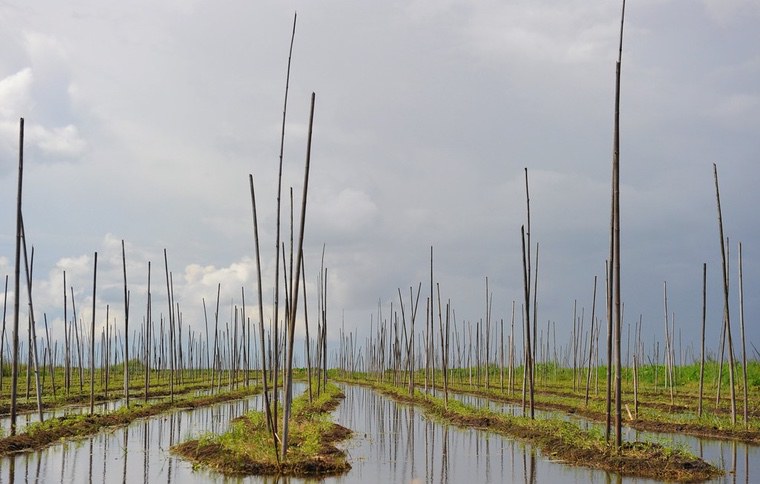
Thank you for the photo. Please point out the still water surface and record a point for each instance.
(393, 443)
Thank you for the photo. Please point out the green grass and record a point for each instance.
(247, 447)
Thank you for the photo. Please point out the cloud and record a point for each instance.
(40, 93)
(724, 12)
(535, 31)
(58, 142)
(15, 92)
(347, 214)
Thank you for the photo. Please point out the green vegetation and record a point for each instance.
(246, 448)
(656, 411)
(186, 381)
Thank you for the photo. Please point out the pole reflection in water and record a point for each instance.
(393, 443)
(720, 453)
(114, 455)
(469, 453)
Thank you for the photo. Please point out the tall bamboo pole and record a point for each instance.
(616, 229)
(741, 327)
(17, 277)
(147, 338)
(67, 340)
(171, 327)
(92, 337)
(702, 355)
(126, 325)
(294, 294)
(270, 420)
(608, 428)
(726, 312)
(528, 356)
(277, 241)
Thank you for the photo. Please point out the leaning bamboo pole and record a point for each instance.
(32, 323)
(726, 312)
(294, 294)
(268, 410)
(171, 328)
(50, 355)
(2, 335)
(591, 343)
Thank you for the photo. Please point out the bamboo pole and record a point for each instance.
(744, 347)
(2, 335)
(171, 328)
(591, 343)
(528, 356)
(50, 356)
(702, 355)
(17, 282)
(726, 312)
(616, 241)
(67, 340)
(92, 337)
(608, 428)
(77, 330)
(147, 338)
(32, 323)
(126, 325)
(270, 420)
(296, 283)
(279, 204)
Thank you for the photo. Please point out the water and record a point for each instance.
(393, 442)
(740, 460)
(138, 452)
(25, 418)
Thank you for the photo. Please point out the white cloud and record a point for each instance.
(15, 93)
(64, 141)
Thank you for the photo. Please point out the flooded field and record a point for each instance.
(393, 442)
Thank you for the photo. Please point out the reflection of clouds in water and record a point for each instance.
(392, 443)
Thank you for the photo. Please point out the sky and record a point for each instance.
(144, 119)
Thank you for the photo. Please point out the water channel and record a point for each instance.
(393, 443)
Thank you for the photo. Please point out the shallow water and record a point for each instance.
(25, 418)
(740, 460)
(393, 442)
(138, 452)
